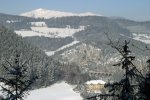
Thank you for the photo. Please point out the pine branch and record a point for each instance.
(4, 80)
(7, 90)
(30, 82)
(7, 69)
(9, 63)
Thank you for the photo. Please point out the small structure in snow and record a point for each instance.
(95, 86)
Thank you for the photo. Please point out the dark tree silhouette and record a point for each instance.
(128, 88)
(124, 89)
(16, 80)
(144, 85)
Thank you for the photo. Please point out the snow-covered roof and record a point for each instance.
(95, 82)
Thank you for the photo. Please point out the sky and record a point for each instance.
(132, 9)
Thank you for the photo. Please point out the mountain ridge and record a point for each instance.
(45, 13)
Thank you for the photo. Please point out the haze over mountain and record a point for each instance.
(45, 13)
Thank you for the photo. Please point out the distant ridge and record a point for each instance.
(44, 13)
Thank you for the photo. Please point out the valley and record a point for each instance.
(67, 50)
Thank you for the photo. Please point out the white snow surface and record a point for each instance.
(44, 13)
(49, 32)
(28, 33)
(58, 91)
(1, 84)
(142, 37)
(95, 82)
(50, 53)
(12, 21)
(38, 24)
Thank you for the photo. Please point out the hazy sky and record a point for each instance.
(132, 9)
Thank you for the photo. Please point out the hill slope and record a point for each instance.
(44, 13)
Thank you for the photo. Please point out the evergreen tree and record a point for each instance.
(124, 89)
(144, 85)
(127, 87)
(16, 80)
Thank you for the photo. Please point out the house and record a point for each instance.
(95, 86)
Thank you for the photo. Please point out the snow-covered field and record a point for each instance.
(48, 32)
(28, 33)
(58, 91)
(142, 37)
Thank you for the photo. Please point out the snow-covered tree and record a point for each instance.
(16, 81)
(133, 85)
(124, 89)
(144, 85)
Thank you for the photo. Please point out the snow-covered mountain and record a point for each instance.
(44, 13)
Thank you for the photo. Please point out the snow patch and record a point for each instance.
(27, 33)
(50, 53)
(49, 32)
(58, 91)
(12, 21)
(95, 82)
(142, 37)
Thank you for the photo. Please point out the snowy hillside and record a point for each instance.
(50, 53)
(84, 55)
(59, 91)
(142, 37)
(41, 29)
(44, 13)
